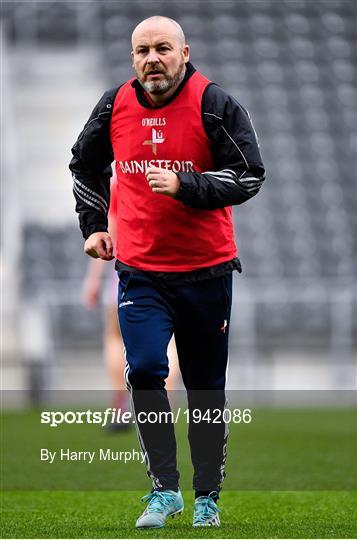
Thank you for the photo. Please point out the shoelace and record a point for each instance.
(158, 500)
(205, 508)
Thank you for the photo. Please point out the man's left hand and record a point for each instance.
(162, 181)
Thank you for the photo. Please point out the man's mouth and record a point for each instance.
(153, 73)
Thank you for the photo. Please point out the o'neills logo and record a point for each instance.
(153, 122)
(135, 167)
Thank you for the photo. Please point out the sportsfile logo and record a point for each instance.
(111, 415)
(157, 137)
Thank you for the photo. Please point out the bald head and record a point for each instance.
(159, 56)
(157, 23)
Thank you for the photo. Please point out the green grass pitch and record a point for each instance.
(107, 514)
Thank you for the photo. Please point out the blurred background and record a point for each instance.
(292, 64)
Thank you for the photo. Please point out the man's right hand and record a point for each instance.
(99, 245)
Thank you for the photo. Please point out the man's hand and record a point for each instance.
(162, 181)
(99, 245)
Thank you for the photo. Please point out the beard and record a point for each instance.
(161, 87)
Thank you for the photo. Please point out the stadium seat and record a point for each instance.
(291, 63)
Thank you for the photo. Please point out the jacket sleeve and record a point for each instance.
(91, 168)
(238, 169)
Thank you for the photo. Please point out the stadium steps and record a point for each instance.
(55, 88)
(52, 92)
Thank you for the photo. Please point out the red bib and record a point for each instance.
(155, 232)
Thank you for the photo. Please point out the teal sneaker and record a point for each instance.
(161, 505)
(206, 511)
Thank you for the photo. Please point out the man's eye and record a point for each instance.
(163, 48)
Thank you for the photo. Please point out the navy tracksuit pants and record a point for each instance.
(150, 311)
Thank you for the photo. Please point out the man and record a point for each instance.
(185, 152)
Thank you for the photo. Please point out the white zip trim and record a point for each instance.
(211, 114)
(236, 145)
(93, 120)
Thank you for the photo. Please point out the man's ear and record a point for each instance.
(186, 53)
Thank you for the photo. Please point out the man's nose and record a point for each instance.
(152, 57)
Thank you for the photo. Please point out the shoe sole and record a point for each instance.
(207, 524)
(173, 515)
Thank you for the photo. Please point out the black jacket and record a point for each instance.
(238, 173)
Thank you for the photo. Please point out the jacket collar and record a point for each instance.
(144, 99)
